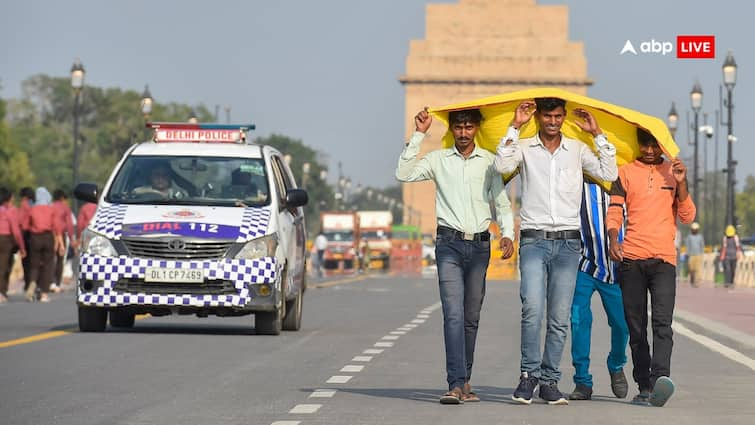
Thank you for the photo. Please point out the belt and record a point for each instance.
(453, 233)
(546, 234)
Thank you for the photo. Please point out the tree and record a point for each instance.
(746, 208)
(14, 163)
(320, 193)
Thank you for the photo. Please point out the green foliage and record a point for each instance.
(320, 194)
(14, 164)
(746, 208)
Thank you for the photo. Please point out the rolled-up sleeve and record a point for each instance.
(409, 168)
(602, 166)
(686, 210)
(504, 215)
(615, 216)
(508, 156)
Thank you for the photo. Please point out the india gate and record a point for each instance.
(479, 48)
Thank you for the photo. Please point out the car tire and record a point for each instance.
(122, 319)
(92, 319)
(292, 321)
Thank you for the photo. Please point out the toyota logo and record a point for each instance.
(177, 245)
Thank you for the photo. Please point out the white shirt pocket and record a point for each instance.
(569, 180)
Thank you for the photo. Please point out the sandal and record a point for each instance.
(470, 395)
(455, 396)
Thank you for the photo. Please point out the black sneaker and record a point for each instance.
(619, 384)
(642, 399)
(550, 393)
(524, 390)
(581, 392)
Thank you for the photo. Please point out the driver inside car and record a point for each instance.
(161, 183)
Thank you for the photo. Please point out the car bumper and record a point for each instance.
(119, 281)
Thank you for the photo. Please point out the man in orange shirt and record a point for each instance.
(655, 193)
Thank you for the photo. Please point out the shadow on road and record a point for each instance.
(488, 394)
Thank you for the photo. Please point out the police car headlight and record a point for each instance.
(260, 247)
(95, 244)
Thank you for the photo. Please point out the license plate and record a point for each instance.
(159, 274)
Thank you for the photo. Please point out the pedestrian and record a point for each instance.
(654, 193)
(86, 212)
(64, 220)
(26, 195)
(469, 195)
(551, 167)
(321, 244)
(45, 243)
(597, 272)
(10, 240)
(731, 252)
(695, 249)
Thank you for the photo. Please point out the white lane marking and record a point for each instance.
(423, 316)
(433, 307)
(339, 379)
(383, 344)
(372, 351)
(404, 328)
(418, 321)
(716, 327)
(390, 337)
(410, 325)
(286, 423)
(714, 345)
(425, 312)
(352, 368)
(361, 358)
(398, 332)
(322, 394)
(305, 408)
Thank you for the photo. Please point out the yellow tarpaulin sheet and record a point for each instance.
(619, 124)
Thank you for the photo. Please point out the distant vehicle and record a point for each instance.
(375, 232)
(184, 227)
(342, 230)
(406, 251)
(428, 248)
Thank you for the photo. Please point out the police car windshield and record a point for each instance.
(190, 180)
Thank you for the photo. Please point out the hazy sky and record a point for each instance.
(327, 71)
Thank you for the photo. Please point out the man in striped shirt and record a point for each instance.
(597, 273)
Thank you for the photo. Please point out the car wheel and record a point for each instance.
(121, 319)
(92, 319)
(292, 321)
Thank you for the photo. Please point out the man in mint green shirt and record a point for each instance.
(466, 185)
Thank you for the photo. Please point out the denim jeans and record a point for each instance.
(638, 278)
(462, 266)
(581, 326)
(549, 275)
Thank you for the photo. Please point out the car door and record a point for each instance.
(298, 255)
(286, 222)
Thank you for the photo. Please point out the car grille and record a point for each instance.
(212, 287)
(191, 250)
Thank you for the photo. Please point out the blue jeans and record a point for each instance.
(549, 273)
(581, 326)
(462, 266)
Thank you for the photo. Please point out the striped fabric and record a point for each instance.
(595, 260)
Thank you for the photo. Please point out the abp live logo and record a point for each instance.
(695, 46)
(687, 47)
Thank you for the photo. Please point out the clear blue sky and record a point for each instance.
(326, 71)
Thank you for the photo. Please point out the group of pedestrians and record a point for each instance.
(575, 239)
(730, 252)
(40, 230)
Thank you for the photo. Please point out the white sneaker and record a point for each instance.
(55, 289)
(44, 298)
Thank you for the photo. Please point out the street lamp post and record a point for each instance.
(146, 107)
(304, 175)
(77, 83)
(696, 99)
(730, 79)
(673, 119)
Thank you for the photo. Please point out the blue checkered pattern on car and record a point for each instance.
(108, 220)
(253, 224)
(111, 269)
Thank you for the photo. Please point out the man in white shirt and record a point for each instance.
(551, 167)
(321, 244)
(465, 185)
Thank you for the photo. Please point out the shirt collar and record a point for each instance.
(537, 142)
(453, 151)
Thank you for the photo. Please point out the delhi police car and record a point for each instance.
(196, 221)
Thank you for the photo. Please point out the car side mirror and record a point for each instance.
(296, 198)
(87, 192)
